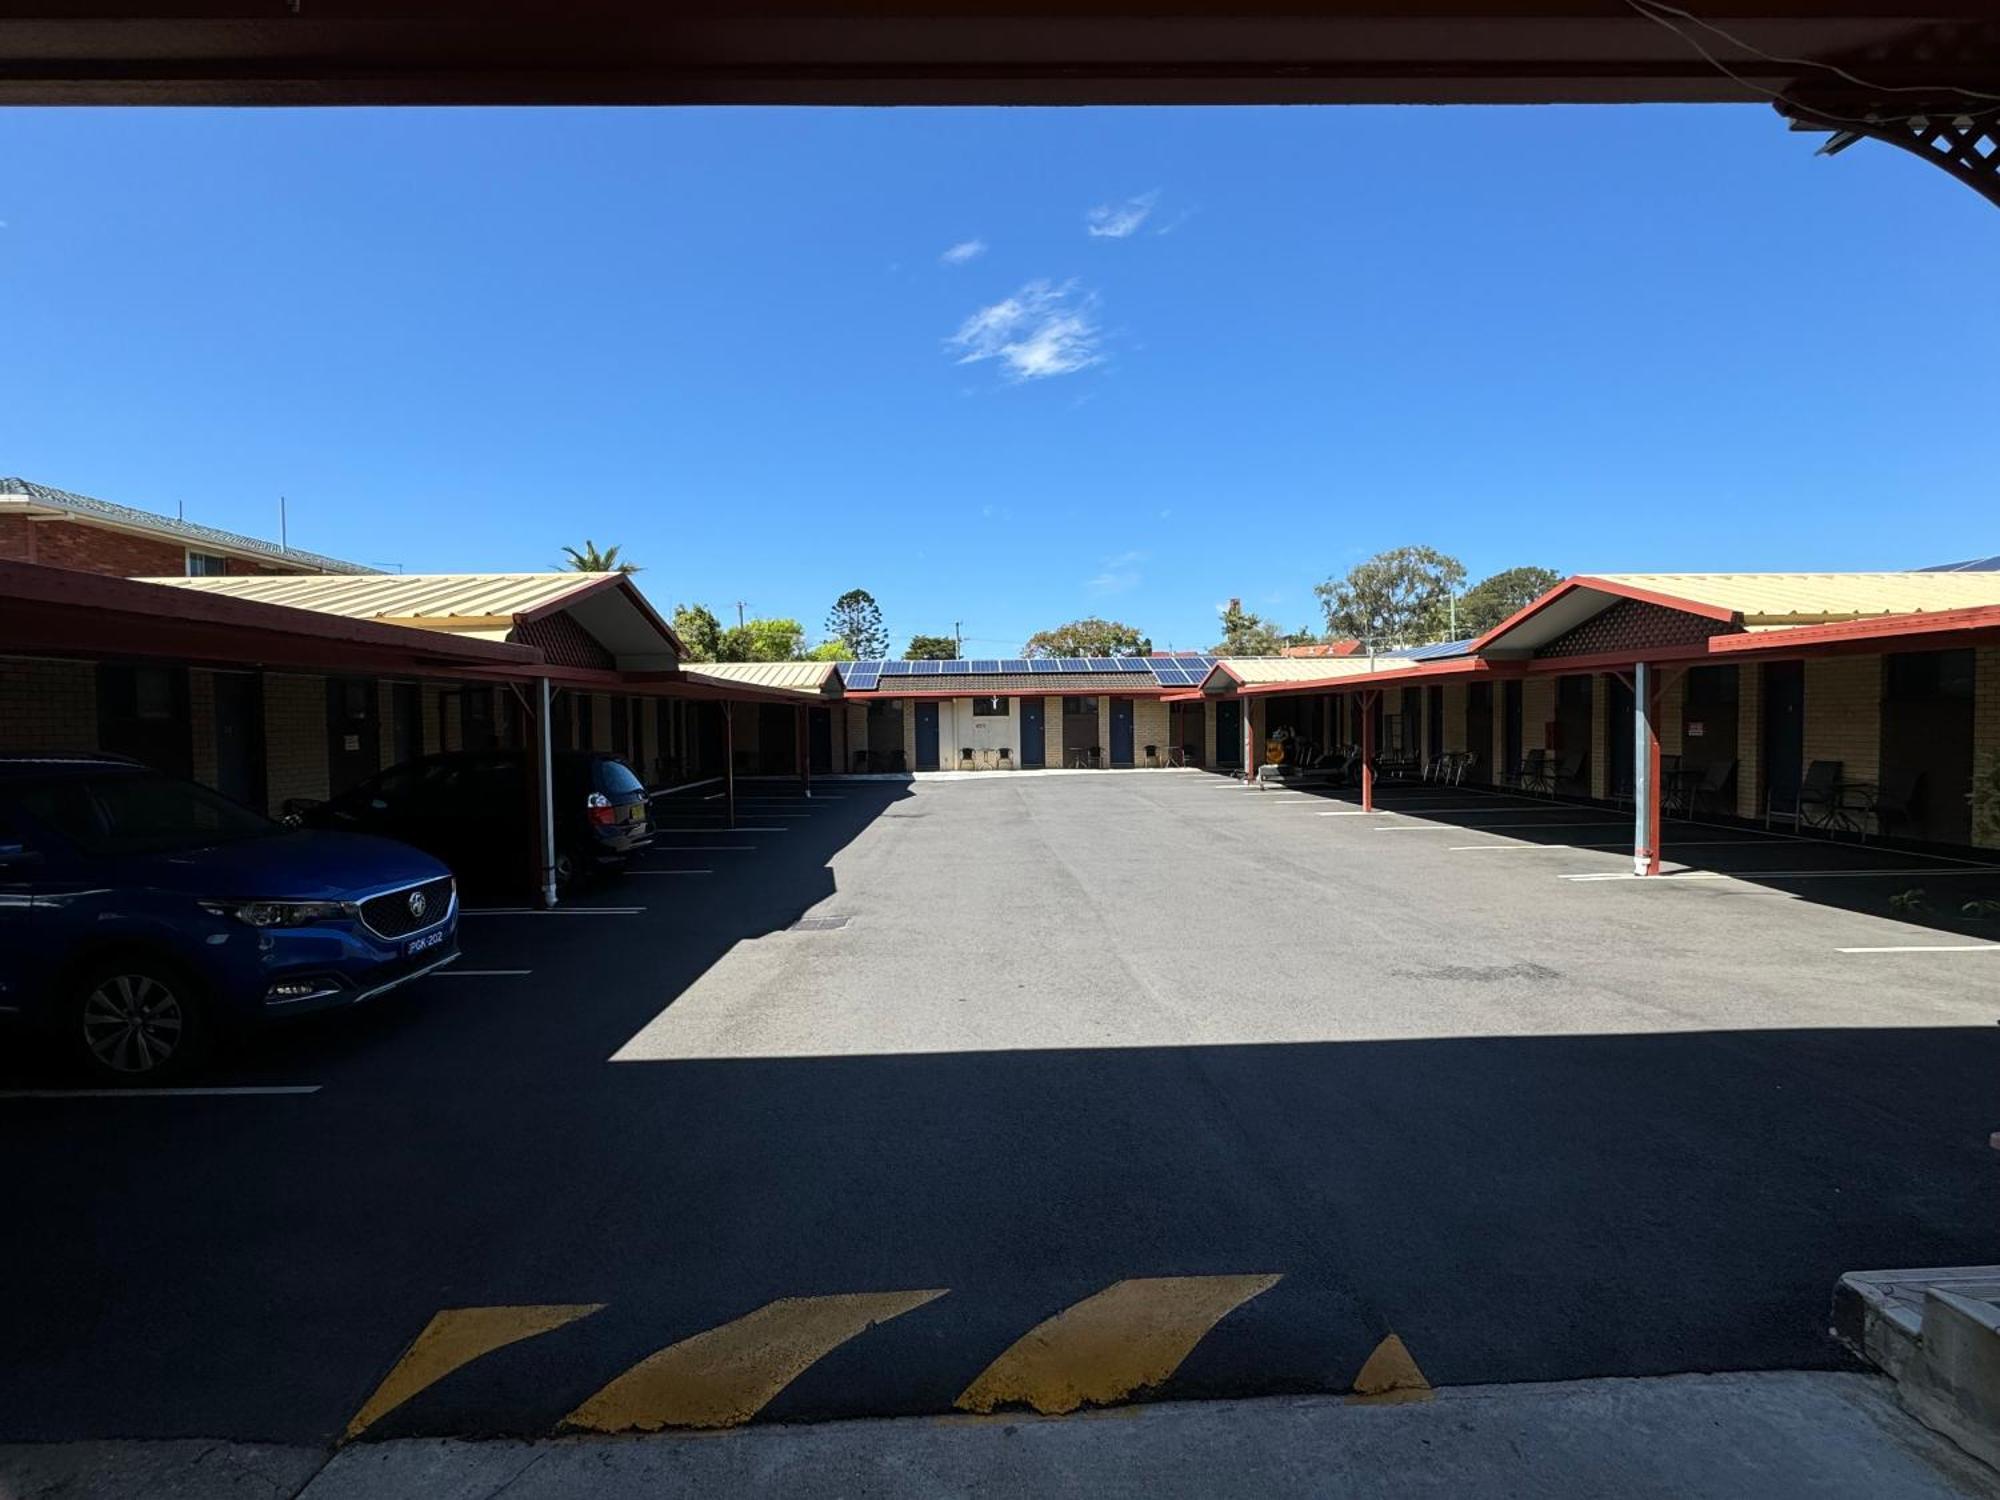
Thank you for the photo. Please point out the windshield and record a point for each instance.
(141, 813)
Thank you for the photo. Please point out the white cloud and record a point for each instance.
(1042, 330)
(1115, 221)
(963, 251)
(1119, 574)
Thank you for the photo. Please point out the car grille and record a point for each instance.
(390, 915)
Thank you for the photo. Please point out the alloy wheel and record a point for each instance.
(133, 1023)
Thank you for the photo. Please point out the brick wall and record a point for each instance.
(90, 549)
(294, 738)
(855, 717)
(1454, 717)
(47, 705)
(600, 723)
(1149, 727)
(909, 706)
(1538, 708)
(1844, 713)
(1052, 744)
(1750, 742)
(385, 711)
(1673, 698)
(429, 695)
(1985, 716)
(201, 725)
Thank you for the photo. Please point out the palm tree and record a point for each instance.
(587, 559)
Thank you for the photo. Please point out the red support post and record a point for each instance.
(1368, 751)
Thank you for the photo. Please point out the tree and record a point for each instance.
(699, 631)
(1398, 597)
(856, 619)
(1492, 600)
(831, 651)
(931, 648)
(1092, 637)
(1245, 634)
(587, 559)
(764, 640)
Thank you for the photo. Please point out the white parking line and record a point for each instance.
(1784, 874)
(699, 849)
(215, 1093)
(1493, 827)
(1929, 948)
(1524, 847)
(482, 973)
(551, 911)
(1356, 812)
(739, 828)
(670, 872)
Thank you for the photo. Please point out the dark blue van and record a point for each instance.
(141, 914)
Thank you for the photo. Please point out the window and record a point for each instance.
(1080, 706)
(141, 813)
(206, 565)
(992, 708)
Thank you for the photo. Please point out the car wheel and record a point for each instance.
(565, 871)
(136, 1020)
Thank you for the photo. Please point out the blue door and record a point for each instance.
(1228, 733)
(927, 735)
(1033, 746)
(1121, 731)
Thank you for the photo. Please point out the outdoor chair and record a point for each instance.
(1705, 793)
(1153, 756)
(1818, 800)
(1531, 772)
(1567, 772)
(1893, 798)
(1006, 758)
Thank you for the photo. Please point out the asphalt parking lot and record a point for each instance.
(1251, 1079)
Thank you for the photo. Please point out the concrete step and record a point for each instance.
(1936, 1333)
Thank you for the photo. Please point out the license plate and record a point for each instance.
(429, 940)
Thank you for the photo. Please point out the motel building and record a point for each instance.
(1849, 704)
(1853, 704)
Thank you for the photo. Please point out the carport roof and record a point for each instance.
(811, 679)
(1253, 672)
(608, 606)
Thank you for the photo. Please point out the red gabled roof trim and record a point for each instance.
(1602, 586)
(1843, 632)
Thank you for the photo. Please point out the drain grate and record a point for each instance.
(817, 924)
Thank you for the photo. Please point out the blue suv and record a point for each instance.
(141, 914)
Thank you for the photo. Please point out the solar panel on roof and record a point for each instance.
(958, 666)
(1173, 677)
(1103, 663)
(897, 668)
(1133, 664)
(1046, 664)
(928, 668)
(986, 668)
(1018, 664)
(1074, 664)
(865, 682)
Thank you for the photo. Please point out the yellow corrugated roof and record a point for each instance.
(811, 677)
(1253, 670)
(1768, 599)
(472, 603)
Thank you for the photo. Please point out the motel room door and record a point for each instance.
(927, 735)
(1034, 747)
(1784, 732)
(1228, 732)
(1121, 731)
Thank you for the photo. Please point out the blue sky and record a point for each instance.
(739, 344)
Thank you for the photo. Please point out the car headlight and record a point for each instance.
(279, 913)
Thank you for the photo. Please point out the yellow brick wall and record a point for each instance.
(1538, 707)
(1750, 742)
(1149, 727)
(600, 722)
(1256, 713)
(430, 694)
(1673, 699)
(47, 705)
(1052, 754)
(1454, 716)
(1103, 730)
(1844, 714)
(1985, 717)
(1208, 734)
(910, 734)
(1600, 735)
(294, 738)
(201, 725)
(855, 717)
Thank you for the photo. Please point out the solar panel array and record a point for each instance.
(1165, 671)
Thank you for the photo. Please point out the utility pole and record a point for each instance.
(739, 612)
(958, 635)
(284, 543)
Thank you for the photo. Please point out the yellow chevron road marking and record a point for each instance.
(456, 1337)
(1390, 1377)
(1132, 1334)
(729, 1374)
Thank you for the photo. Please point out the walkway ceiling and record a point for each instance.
(978, 51)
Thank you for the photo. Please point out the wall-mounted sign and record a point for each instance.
(1693, 729)
(350, 742)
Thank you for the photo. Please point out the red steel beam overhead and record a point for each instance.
(975, 51)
